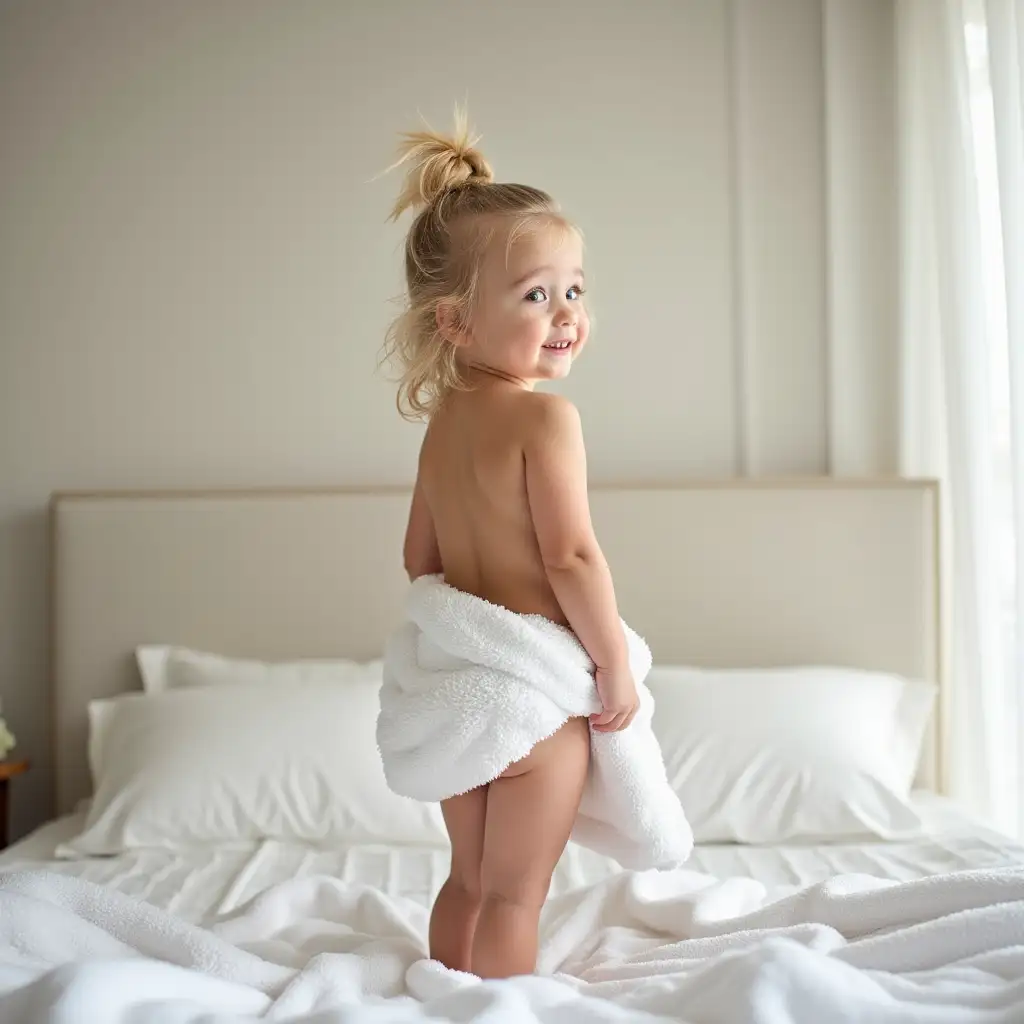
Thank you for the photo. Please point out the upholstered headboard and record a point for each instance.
(719, 574)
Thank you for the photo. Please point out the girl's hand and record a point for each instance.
(619, 698)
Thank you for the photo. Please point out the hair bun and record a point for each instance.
(438, 163)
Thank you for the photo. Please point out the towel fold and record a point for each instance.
(471, 687)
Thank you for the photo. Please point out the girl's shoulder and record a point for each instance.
(550, 424)
(549, 411)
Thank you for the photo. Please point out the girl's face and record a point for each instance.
(529, 322)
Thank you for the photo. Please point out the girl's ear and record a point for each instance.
(450, 325)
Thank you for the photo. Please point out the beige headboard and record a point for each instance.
(721, 574)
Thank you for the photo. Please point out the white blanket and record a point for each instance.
(668, 946)
(470, 687)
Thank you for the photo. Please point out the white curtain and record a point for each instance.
(961, 127)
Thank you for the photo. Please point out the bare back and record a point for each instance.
(472, 473)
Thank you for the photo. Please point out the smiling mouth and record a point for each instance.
(559, 346)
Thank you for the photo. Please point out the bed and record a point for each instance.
(731, 580)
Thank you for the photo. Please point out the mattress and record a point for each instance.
(196, 883)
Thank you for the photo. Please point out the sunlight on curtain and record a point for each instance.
(1006, 753)
(962, 176)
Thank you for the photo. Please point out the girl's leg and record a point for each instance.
(455, 911)
(530, 812)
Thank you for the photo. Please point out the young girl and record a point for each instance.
(495, 306)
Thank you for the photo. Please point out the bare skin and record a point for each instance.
(500, 508)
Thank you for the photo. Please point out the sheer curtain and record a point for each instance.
(961, 124)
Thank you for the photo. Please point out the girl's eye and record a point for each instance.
(574, 292)
(536, 295)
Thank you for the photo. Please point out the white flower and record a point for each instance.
(7, 740)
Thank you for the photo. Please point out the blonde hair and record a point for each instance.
(451, 184)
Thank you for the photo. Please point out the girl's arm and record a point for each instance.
(556, 485)
(421, 554)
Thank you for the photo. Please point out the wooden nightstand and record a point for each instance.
(8, 769)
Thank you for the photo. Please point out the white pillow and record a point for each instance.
(768, 756)
(294, 759)
(164, 667)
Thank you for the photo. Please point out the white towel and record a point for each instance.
(470, 687)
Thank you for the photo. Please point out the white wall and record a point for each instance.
(195, 269)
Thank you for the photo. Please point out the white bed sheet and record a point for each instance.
(194, 884)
